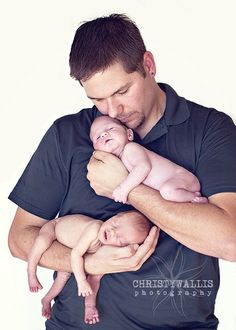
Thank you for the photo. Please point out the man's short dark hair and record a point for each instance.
(104, 41)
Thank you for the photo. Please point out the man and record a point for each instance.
(176, 287)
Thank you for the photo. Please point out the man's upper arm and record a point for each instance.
(23, 221)
(217, 162)
(225, 201)
(42, 186)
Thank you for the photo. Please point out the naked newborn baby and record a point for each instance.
(174, 182)
(84, 235)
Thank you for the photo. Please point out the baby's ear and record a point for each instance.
(130, 134)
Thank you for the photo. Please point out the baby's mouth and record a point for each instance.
(105, 235)
(108, 140)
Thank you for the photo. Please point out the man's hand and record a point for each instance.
(112, 259)
(105, 173)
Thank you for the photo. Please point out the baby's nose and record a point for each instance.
(104, 134)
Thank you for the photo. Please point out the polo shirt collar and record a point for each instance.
(176, 112)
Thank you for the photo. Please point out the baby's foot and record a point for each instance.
(34, 284)
(201, 199)
(46, 308)
(91, 315)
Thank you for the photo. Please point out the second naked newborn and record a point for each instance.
(84, 235)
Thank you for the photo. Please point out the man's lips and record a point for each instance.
(124, 119)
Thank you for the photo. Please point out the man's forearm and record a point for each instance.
(57, 257)
(205, 228)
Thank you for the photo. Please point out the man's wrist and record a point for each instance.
(140, 194)
(89, 265)
(146, 200)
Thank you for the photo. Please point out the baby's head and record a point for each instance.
(108, 134)
(130, 227)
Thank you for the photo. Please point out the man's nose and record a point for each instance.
(114, 108)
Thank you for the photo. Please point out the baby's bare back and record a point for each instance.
(69, 228)
(161, 169)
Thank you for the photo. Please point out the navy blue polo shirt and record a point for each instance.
(176, 288)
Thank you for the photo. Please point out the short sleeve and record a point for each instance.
(41, 188)
(216, 167)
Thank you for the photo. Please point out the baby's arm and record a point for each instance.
(136, 159)
(87, 237)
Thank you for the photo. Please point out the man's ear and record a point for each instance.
(149, 63)
(130, 134)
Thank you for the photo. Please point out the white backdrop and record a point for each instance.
(194, 46)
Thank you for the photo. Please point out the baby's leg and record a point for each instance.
(178, 190)
(43, 241)
(56, 288)
(91, 314)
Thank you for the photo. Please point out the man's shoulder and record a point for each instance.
(81, 118)
(74, 128)
(210, 113)
(71, 133)
(203, 118)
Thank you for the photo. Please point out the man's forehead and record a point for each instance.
(104, 84)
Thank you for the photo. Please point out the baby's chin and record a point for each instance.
(109, 150)
(105, 149)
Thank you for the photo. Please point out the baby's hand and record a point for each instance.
(120, 195)
(84, 288)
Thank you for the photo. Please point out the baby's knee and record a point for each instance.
(63, 275)
(47, 231)
(46, 237)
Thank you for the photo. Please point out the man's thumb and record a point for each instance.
(100, 155)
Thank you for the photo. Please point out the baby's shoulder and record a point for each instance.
(94, 246)
(133, 146)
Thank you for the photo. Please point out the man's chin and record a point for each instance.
(134, 123)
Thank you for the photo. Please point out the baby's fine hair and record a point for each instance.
(140, 222)
(113, 119)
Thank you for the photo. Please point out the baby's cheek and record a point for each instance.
(97, 145)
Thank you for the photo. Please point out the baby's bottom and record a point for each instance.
(91, 315)
(56, 288)
(181, 189)
(42, 243)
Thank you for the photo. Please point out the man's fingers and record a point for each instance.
(113, 259)
(149, 243)
(125, 252)
(107, 158)
(100, 155)
(146, 249)
(137, 255)
(98, 158)
(93, 161)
